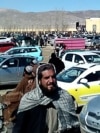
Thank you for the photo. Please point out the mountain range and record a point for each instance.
(16, 19)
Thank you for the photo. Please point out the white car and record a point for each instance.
(5, 39)
(81, 81)
(80, 57)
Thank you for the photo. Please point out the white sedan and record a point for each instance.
(80, 57)
(5, 39)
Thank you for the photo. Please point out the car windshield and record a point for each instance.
(2, 59)
(92, 58)
(70, 74)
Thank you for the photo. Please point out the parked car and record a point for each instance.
(81, 81)
(32, 51)
(89, 117)
(70, 50)
(73, 58)
(5, 39)
(92, 41)
(12, 67)
(6, 46)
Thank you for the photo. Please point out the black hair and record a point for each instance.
(44, 67)
(53, 55)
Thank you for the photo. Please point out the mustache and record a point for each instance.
(54, 84)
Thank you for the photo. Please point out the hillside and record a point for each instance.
(13, 18)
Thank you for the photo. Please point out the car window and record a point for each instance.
(92, 58)
(10, 52)
(94, 76)
(2, 38)
(14, 51)
(70, 75)
(28, 60)
(89, 37)
(22, 50)
(1, 59)
(26, 50)
(78, 58)
(97, 53)
(33, 50)
(25, 61)
(11, 62)
(69, 57)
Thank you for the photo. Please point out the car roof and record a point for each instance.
(9, 56)
(25, 47)
(86, 66)
(97, 51)
(82, 53)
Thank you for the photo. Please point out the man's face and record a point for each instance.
(48, 81)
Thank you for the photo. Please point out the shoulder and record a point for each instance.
(64, 92)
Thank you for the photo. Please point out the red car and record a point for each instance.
(6, 45)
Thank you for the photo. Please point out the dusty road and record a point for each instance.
(47, 52)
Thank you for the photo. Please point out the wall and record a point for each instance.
(93, 21)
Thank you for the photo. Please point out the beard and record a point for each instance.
(48, 92)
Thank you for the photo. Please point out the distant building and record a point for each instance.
(93, 25)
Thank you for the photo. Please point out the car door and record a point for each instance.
(23, 61)
(78, 59)
(68, 60)
(9, 72)
(86, 91)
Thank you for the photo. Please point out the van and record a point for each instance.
(6, 45)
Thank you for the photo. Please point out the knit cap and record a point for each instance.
(35, 61)
(28, 69)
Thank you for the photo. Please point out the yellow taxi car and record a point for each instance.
(81, 81)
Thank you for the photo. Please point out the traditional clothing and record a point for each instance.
(59, 103)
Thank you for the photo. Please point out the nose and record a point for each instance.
(50, 79)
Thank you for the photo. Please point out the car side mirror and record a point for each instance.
(84, 81)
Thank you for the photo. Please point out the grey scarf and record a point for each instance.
(61, 100)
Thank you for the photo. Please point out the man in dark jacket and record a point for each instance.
(57, 62)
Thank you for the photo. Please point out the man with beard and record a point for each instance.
(47, 108)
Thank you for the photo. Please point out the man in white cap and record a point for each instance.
(32, 82)
(34, 64)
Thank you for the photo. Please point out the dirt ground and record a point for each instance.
(47, 50)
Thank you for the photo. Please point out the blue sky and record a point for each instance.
(49, 5)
